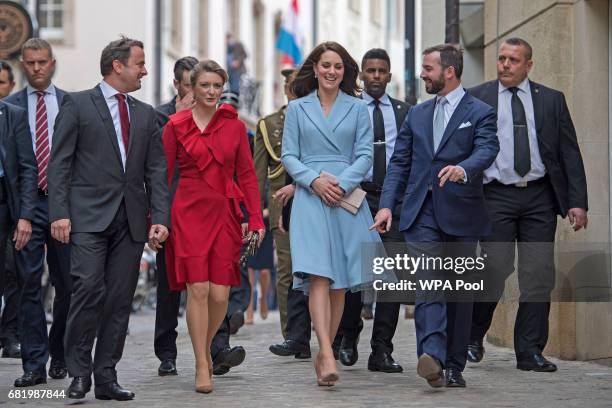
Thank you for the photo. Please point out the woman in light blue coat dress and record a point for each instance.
(327, 129)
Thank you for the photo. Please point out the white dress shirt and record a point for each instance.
(502, 168)
(386, 107)
(50, 99)
(113, 106)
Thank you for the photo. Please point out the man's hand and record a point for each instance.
(281, 226)
(157, 234)
(22, 233)
(578, 218)
(283, 195)
(455, 174)
(382, 221)
(328, 190)
(186, 102)
(60, 230)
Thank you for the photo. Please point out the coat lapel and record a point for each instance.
(100, 104)
(3, 133)
(312, 108)
(536, 98)
(429, 114)
(134, 116)
(341, 108)
(460, 112)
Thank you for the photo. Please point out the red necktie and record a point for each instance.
(42, 140)
(125, 121)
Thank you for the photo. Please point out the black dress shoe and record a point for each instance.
(454, 378)
(430, 369)
(536, 362)
(475, 351)
(290, 348)
(11, 349)
(30, 379)
(227, 359)
(348, 354)
(383, 362)
(112, 391)
(336, 350)
(58, 370)
(304, 355)
(167, 367)
(236, 321)
(79, 387)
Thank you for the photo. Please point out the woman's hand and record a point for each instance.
(261, 232)
(328, 190)
(245, 232)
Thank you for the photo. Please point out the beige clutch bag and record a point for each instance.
(351, 202)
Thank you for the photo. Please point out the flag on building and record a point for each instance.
(289, 41)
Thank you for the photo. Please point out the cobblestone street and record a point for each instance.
(265, 380)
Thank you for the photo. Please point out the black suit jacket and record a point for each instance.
(18, 161)
(21, 98)
(165, 110)
(556, 140)
(87, 182)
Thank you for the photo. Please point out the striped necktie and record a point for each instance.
(42, 140)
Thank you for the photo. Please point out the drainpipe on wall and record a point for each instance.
(452, 22)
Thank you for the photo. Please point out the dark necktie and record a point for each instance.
(380, 149)
(522, 157)
(42, 140)
(125, 121)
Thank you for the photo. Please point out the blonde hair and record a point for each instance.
(207, 66)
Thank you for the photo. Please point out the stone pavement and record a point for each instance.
(265, 380)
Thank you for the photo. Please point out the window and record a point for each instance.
(51, 19)
(176, 25)
(376, 12)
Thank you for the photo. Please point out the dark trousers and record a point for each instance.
(166, 313)
(104, 269)
(35, 343)
(442, 328)
(6, 228)
(386, 313)
(527, 216)
(9, 330)
(298, 326)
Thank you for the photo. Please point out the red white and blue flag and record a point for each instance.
(289, 40)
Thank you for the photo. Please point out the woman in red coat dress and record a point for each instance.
(210, 147)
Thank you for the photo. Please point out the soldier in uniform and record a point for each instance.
(270, 170)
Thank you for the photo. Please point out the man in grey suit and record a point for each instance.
(41, 100)
(107, 161)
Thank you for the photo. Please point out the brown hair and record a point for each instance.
(207, 66)
(520, 42)
(117, 50)
(450, 56)
(305, 81)
(37, 44)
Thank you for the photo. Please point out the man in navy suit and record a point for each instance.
(41, 100)
(442, 149)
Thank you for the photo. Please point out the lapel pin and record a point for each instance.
(537, 90)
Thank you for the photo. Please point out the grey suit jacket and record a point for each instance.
(87, 182)
(18, 161)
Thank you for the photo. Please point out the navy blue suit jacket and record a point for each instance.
(21, 98)
(469, 141)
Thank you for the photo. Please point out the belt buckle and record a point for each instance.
(521, 184)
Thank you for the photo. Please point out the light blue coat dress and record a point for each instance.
(327, 241)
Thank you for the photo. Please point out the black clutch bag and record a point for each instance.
(250, 249)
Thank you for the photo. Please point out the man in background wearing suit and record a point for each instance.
(537, 175)
(168, 302)
(18, 198)
(387, 115)
(442, 149)
(9, 289)
(41, 100)
(107, 173)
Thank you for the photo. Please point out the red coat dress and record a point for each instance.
(216, 174)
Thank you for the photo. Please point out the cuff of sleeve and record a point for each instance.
(465, 178)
